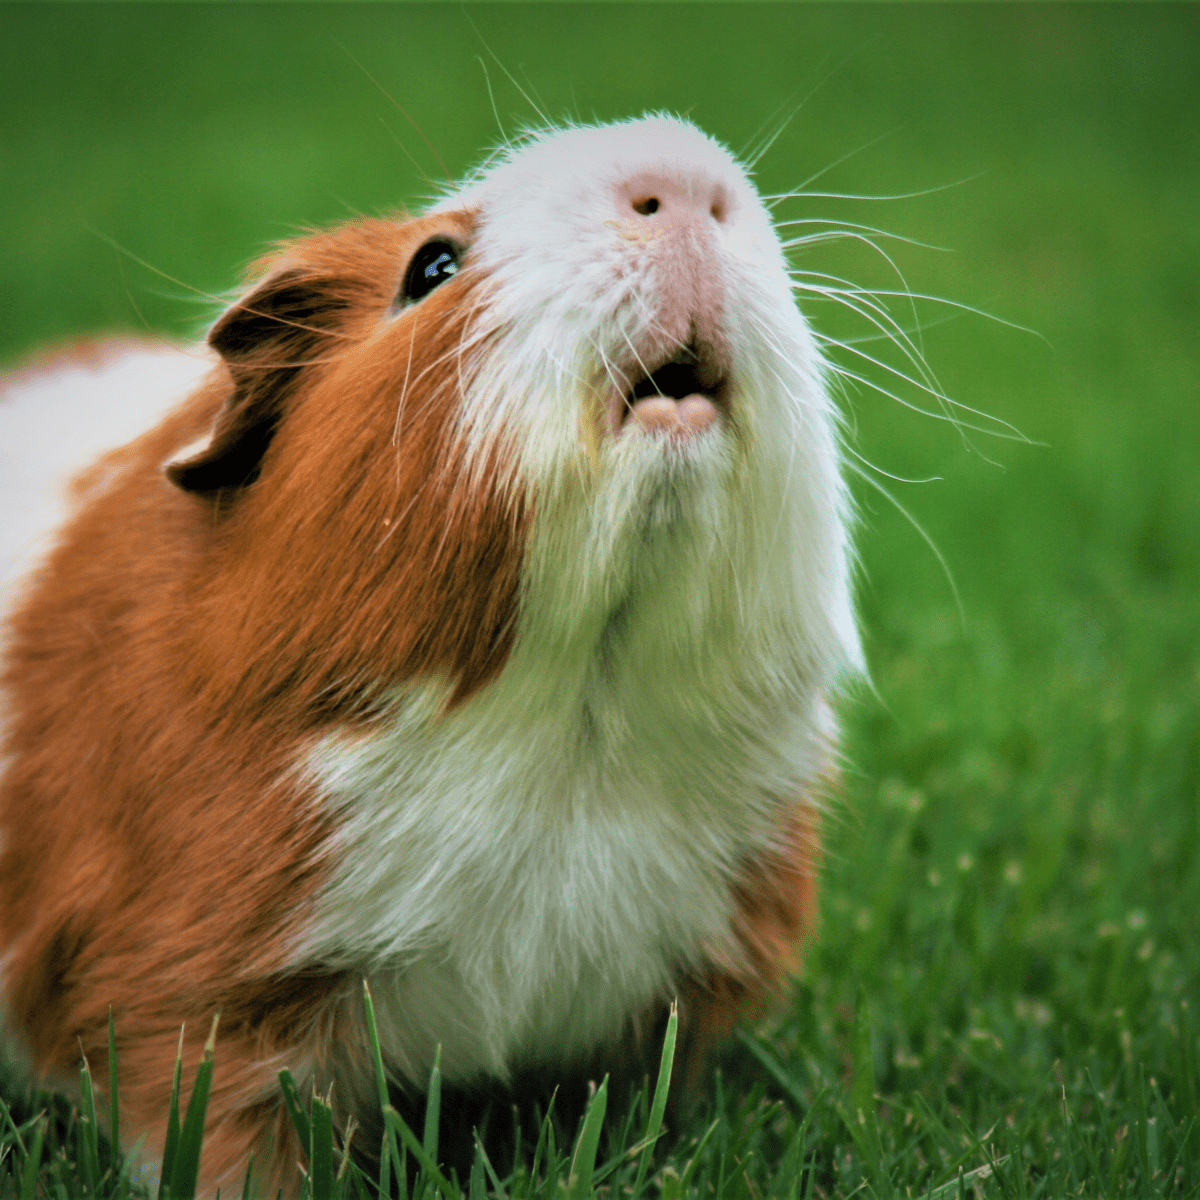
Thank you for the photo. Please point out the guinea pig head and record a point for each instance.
(577, 386)
(661, 399)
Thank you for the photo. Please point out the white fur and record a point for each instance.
(57, 421)
(523, 876)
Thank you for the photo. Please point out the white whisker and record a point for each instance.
(873, 482)
(853, 226)
(941, 187)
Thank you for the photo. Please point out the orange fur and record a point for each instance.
(176, 651)
(776, 913)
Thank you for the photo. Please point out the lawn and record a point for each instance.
(1003, 993)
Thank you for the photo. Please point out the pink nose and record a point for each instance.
(683, 197)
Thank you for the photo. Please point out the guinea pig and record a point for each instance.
(471, 626)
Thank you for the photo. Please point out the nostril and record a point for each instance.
(719, 209)
(646, 206)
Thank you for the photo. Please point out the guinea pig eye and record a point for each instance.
(433, 264)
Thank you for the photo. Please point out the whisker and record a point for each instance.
(865, 306)
(957, 422)
(216, 299)
(854, 225)
(751, 156)
(487, 79)
(802, 195)
(407, 153)
(979, 312)
(873, 482)
(403, 111)
(918, 348)
(867, 296)
(837, 162)
(898, 478)
(412, 337)
(511, 79)
(885, 337)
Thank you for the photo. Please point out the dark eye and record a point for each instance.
(434, 263)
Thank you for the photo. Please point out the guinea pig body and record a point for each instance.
(477, 639)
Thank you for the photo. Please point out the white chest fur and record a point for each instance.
(525, 875)
(517, 900)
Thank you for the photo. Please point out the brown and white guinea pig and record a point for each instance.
(470, 627)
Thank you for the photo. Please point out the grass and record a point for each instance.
(846, 1138)
(1003, 997)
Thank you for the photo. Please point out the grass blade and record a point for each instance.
(291, 1098)
(389, 1152)
(1141, 1126)
(386, 1150)
(376, 1052)
(476, 1188)
(659, 1103)
(344, 1180)
(862, 1090)
(360, 1188)
(694, 1161)
(114, 1107)
(88, 1152)
(776, 1069)
(583, 1162)
(1189, 1101)
(497, 1187)
(320, 1150)
(247, 1190)
(171, 1145)
(6, 1113)
(545, 1137)
(33, 1160)
(433, 1106)
(397, 1126)
(186, 1169)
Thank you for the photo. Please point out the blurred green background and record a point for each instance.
(1019, 848)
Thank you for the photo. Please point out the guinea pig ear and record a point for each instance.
(266, 339)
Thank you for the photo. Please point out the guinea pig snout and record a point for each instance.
(674, 197)
(671, 221)
(670, 218)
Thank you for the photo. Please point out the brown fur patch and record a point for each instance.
(775, 900)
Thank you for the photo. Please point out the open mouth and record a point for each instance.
(682, 397)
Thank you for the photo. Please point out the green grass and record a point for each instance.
(1003, 996)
